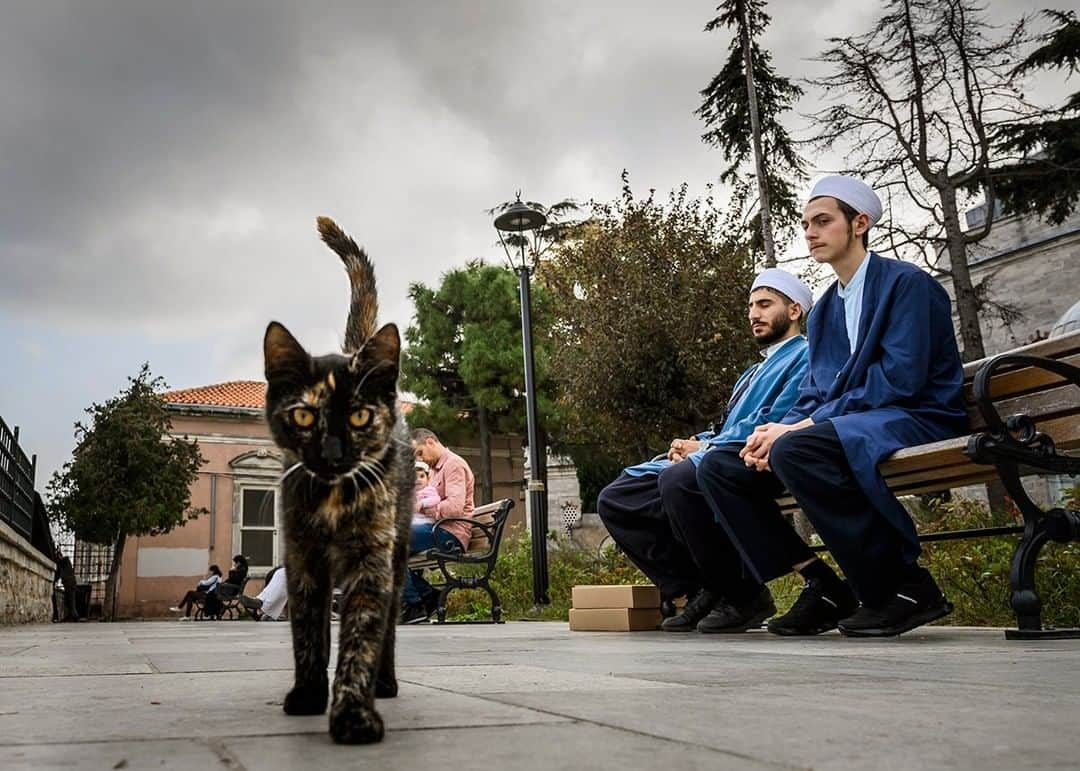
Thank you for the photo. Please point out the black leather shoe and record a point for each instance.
(818, 609)
(696, 609)
(918, 601)
(728, 618)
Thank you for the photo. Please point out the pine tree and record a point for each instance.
(742, 107)
(1046, 179)
(464, 358)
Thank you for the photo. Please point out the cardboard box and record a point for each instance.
(614, 619)
(625, 596)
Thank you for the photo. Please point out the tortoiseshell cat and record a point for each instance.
(346, 501)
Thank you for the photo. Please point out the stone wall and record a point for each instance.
(1035, 269)
(26, 581)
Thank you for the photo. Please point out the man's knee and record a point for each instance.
(673, 478)
(613, 501)
(604, 499)
(787, 451)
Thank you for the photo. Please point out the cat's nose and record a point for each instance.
(331, 449)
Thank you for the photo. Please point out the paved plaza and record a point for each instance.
(535, 695)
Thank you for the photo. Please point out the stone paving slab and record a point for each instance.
(535, 695)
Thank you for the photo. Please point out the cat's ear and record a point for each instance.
(282, 354)
(383, 348)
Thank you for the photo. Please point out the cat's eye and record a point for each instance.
(302, 417)
(359, 418)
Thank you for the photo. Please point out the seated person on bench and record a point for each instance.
(452, 480)
(199, 593)
(885, 374)
(655, 511)
(269, 604)
(227, 589)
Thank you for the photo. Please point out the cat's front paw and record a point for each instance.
(386, 689)
(356, 725)
(306, 700)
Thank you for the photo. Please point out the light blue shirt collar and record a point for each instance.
(769, 350)
(852, 297)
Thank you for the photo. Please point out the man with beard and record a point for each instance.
(655, 511)
(884, 374)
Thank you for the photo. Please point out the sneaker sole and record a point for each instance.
(676, 630)
(787, 631)
(916, 620)
(754, 622)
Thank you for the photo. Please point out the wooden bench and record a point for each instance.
(1024, 407)
(488, 523)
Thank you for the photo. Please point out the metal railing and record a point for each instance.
(16, 483)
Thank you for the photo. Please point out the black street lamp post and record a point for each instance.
(519, 220)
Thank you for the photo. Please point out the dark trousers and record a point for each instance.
(664, 526)
(424, 536)
(809, 463)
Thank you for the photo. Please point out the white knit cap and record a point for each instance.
(782, 281)
(854, 192)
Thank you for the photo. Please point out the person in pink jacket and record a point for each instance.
(452, 481)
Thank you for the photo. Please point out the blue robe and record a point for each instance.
(772, 392)
(902, 386)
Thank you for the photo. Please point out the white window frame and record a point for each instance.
(239, 527)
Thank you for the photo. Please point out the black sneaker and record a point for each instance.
(818, 609)
(696, 609)
(918, 601)
(725, 617)
(667, 608)
(413, 613)
(431, 602)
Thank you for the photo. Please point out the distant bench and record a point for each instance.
(488, 523)
(1024, 406)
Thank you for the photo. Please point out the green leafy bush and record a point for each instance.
(974, 573)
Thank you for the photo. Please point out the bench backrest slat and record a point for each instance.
(1056, 348)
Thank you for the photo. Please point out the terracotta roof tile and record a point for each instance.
(235, 393)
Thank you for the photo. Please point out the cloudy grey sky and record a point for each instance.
(162, 163)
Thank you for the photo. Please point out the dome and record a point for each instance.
(1069, 322)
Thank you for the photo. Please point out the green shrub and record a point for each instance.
(974, 573)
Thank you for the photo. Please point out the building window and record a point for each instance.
(258, 526)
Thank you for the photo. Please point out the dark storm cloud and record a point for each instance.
(162, 163)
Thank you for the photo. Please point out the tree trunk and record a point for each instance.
(486, 486)
(967, 305)
(755, 130)
(108, 610)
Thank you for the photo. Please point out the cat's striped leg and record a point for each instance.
(366, 584)
(386, 686)
(307, 575)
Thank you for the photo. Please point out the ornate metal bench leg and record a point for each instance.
(440, 608)
(1025, 598)
(496, 605)
(1056, 525)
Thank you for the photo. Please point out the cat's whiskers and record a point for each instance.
(294, 467)
(363, 468)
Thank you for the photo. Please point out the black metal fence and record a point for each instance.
(91, 562)
(16, 483)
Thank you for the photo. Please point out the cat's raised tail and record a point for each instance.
(364, 307)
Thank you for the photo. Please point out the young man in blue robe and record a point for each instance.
(885, 373)
(655, 511)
